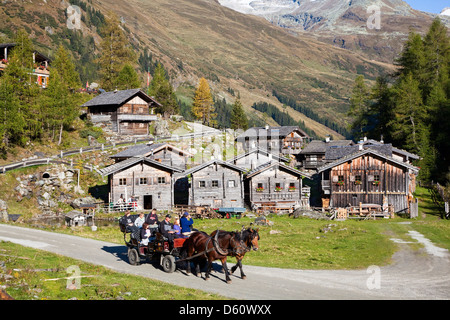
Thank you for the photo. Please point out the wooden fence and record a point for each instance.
(70, 152)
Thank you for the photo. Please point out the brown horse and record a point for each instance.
(249, 239)
(212, 247)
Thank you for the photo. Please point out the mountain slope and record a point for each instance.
(345, 23)
(245, 53)
(201, 38)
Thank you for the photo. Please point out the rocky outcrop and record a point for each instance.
(51, 187)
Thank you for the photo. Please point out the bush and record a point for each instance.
(95, 132)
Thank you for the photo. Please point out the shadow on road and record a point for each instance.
(120, 252)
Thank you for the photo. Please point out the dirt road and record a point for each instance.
(414, 274)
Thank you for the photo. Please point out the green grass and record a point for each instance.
(25, 276)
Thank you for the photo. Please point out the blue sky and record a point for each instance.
(433, 6)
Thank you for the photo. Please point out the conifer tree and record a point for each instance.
(161, 89)
(408, 124)
(238, 117)
(65, 67)
(128, 78)
(115, 52)
(359, 103)
(203, 107)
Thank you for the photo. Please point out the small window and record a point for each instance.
(142, 180)
(231, 183)
(141, 125)
(215, 183)
(141, 110)
(376, 177)
(122, 181)
(340, 178)
(358, 178)
(161, 179)
(202, 184)
(260, 185)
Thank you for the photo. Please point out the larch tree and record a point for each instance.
(203, 106)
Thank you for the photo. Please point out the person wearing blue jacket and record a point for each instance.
(186, 223)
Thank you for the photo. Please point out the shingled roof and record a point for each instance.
(259, 150)
(141, 150)
(211, 162)
(271, 164)
(319, 146)
(281, 132)
(359, 153)
(118, 97)
(131, 162)
(336, 152)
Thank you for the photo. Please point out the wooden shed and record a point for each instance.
(217, 184)
(275, 186)
(368, 176)
(146, 182)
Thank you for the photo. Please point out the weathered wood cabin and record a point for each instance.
(149, 183)
(217, 184)
(255, 158)
(275, 186)
(367, 176)
(285, 140)
(161, 152)
(127, 112)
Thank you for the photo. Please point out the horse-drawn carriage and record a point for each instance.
(199, 246)
(158, 247)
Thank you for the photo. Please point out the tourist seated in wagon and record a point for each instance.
(145, 234)
(139, 222)
(167, 228)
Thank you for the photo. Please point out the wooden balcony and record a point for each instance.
(136, 117)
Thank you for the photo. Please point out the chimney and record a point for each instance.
(327, 138)
(360, 146)
(381, 139)
(267, 126)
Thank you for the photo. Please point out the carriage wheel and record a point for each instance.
(168, 263)
(133, 257)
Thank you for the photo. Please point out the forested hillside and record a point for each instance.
(411, 109)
